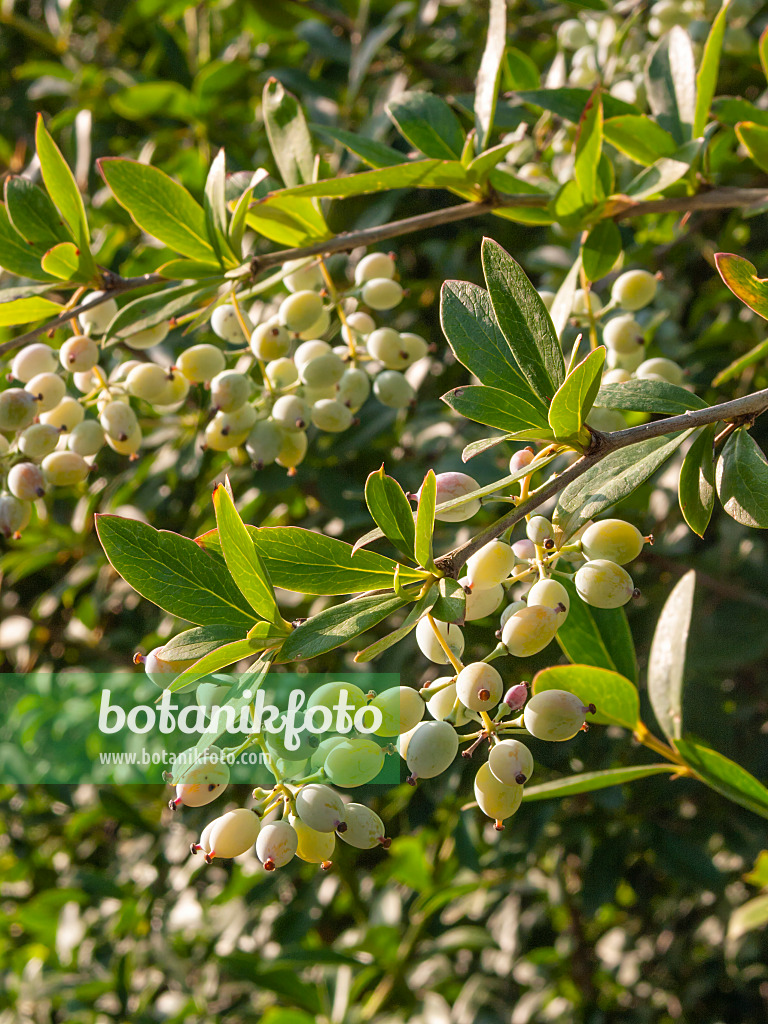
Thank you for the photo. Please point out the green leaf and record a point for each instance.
(665, 172)
(483, 445)
(614, 696)
(306, 562)
(600, 250)
(425, 520)
(569, 103)
(524, 321)
(150, 310)
(670, 82)
(742, 480)
(417, 612)
(746, 918)
(758, 876)
(451, 602)
(741, 277)
(706, 79)
(159, 206)
(173, 572)
(737, 367)
(218, 659)
(334, 627)
(612, 479)
(287, 219)
(371, 152)
(62, 261)
(391, 511)
(696, 487)
(195, 643)
(520, 70)
(587, 782)
(763, 50)
(416, 174)
(754, 138)
(15, 254)
(151, 99)
(639, 137)
(511, 410)
(63, 190)
(648, 396)
(597, 636)
(245, 565)
(589, 142)
(288, 135)
(33, 214)
(487, 84)
(732, 109)
(484, 164)
(576, 395)
(666, 663)
(428, 123)
(27, 311)
(725, 776)
(215, 206)
(563, 302)
(470, 325)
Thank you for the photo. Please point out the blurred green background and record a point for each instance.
(607, 907)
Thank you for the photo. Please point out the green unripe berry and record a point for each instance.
(401, 709)
(17, 409)
(39, 440)
(229, 390)
(494, 798)
(382, 293)
(201, 363)
(277, 844)
(318, 328)
(313, 847)
(264, 442)
(374, 265)
(616, 376)
(511, 762)
(579, 307)
(320, 807)
(354, 762)
(442, 703)
(353, 389)
(554, 715)
(572, 34)
(67, 414)
(604, 584)
(25, 481)
(634, 289)
(87, 438)
(430, 646)
(97, 319)
(490, 565)
(302, 275)
(225, 324)
(126, 446)
(623, 334)
(365, 829)
(361, 323)
(393, 390)
(479, 686)
(330, 694)
(32, 360)
(481, 602)
(64, 469)
(310, 350)
(47, 389)
(292, 449)
(322, 372)
(385, 345)
(291, 412)
(414, 346)
(430, 749)
(79, 353)
(118, 420)
(147, 381)
(14, 515)
(539, 529)
(509, 611)
(300, 310)
(529, 630)
(606, 420)
(282, 373)
(139, 341)
(449, 487)
(270, 340)
(234, 833)
(660, 369)
(331, 416)
(550, 594)
(614, 539)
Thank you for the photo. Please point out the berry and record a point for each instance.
(554, 715)
(360, 323)
(129, 446)
(322, 372)
(225, 324)
(479, 686)
(494, 798)
(139, 341)
(623, 334)
(550, 594)
(302, 275)
(38, 440)
(322, 751)
(291, 412)
(451, 486)
(382, 293)
(99, 317)
(430, 646)
(572, 34)
(516, 696)
(234, 833)
(374, 265)
(310, 350)
(579, 307)
(281, 373)
(330, 694)
(292, 449)
(79, 353)
(263, 442)
(430, 749)
(616, 376)
(511, 762)
(160, 670)
(270, 340)
(331, 416)
(604, 584)
(520, 460)
(320, 807)
(539, 529)
(491, 565)
(530, 630)
(353, 389)
(87, 438)
(401, 709)
(14, 514)
(176, 390)
(483, 602)
(354, 762)
(612, 539)
(441, 704)
(414, 346)
(118, 420)
(202, 782)
(67, 414)
(25, 481)
(217, 435)
(318, 328)
(628, 361)
(606, 420)
(509, 611)
(32, 360)
(365, 829)
(524, 550)
(300, 310)
(17, 409)
(312, 846)
(393, 390)
(634, 289)
(201, 363)
(277, 844)
(660, 369)
(385, 345)
(229, 390)
(147, 381)
(47, 389)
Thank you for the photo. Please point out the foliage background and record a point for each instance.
(611, 906)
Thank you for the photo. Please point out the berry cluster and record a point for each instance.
(286, 379)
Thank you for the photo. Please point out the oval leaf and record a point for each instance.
(696, 487)
(725, 776)
(587, 782)
(576, 395)
(614, 696)
(742, 480)
(666, 663)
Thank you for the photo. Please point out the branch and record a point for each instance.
(740, 409)
(716, 199)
